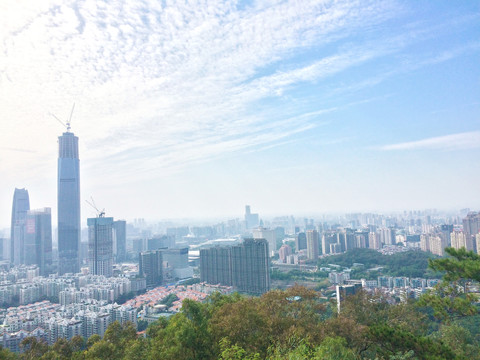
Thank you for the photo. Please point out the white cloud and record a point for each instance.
(164, 84)
(461, 141)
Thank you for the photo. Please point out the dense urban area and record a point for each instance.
(144, 279)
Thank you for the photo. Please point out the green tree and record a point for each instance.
(334, 349)
(32, 348)
(450, 300)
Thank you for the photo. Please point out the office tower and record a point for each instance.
(151, 267)
(68, 204)
(176, 262)
(38, 240)
(216, 266)
(120, 239)
(312, 244)
(300, 241)
(21, 204)
(251, 220)
(100, 245)
(269, 235)
(251, 266)
(245, 266)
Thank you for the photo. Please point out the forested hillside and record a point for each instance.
(410, 263)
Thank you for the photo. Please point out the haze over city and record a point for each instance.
(196, 110)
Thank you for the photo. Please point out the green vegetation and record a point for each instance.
(297, 275)
(411, 264)
(295, 324)
(169, 300)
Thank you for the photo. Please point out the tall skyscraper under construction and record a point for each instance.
(100, 245)
(68, 203)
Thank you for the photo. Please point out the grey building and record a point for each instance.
(216, 266)
(100, 246)
(312, 244)
(38, 240)
(21, 204)
(120, 239)
(151, 267)
(68, 204)
(245, 266)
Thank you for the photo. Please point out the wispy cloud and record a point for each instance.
(461, 141)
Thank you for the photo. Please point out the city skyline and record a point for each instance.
(195, 111)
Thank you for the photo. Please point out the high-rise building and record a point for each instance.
(38, 240)
(251, 220)
(120, 239)
(216, 266)
(151, 267)
(245, 266)
(300, 241)
(471, 227)
(269, 235)
(460, 240)
(328, 238)
(21, 204)
(312, 244)
(251, 266)
(68, 204)
(374, 240)
(100, 246)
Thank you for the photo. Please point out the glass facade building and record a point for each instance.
(21, 204)
(68, 204)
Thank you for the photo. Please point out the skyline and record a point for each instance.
(195, 111)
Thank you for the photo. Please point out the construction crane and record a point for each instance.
(67, 125)
(100, 213)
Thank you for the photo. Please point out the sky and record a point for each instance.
(195, 109)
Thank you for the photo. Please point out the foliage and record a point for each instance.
(169, 300)
(293, 324)
(410, 264)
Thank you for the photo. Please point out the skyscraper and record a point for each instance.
(151, 266)
(312, 244)
(251, 266)
(100, 245)
(251, 220)
(38, 240)
(21, 204)
(68, 204)
(269, 235)
(120, 239)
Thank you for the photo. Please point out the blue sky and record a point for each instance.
(196, 109)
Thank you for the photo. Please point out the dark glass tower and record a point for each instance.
(38, 240)
(68, 204)
(21, 204)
